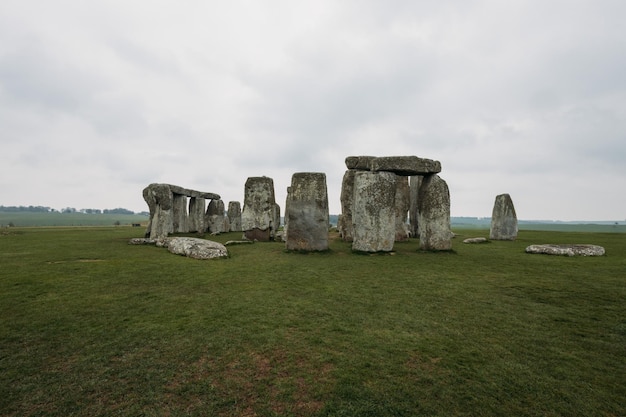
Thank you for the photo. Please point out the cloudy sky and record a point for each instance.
(528, 97)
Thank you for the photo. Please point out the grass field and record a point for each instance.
(90, 326)
(26, 219)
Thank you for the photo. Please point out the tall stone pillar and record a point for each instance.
(503, 219)
(258, 216)
(306, 212)
(197, 207)
(434, 214)
(344, 224)
(234, 216)
(373, 213)
(160, 201)
(215, 217)
(179, 214)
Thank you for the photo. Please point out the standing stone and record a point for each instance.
(373, 213)
(197, 207)
(215, 217)
(160, 201)
(434, 214)
(402, 208)
(306, 212)
(259, 209)
(179, 214)
(415, 183)
(276, 222)
(344, 223)
(503, 219)
(234, 216)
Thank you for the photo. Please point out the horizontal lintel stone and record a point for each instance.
(401, 165)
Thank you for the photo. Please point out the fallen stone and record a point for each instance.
(475, 240)
(196, 248)
(567, 249)
(141, 241)
(238, 242)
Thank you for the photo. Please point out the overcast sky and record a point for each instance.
(100, 99)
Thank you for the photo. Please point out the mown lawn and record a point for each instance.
(90, 326)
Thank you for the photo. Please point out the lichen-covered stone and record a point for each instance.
(475, 240)
(216, 219)
(567, 249)
(234, 216)
(306, 212)
(434, 214)
(373, 212)
(196, 248)
(401, 165)
(258, 217)
(415, 181)
(401, 207)
(197, 208)
(503, 219)
(344, 223)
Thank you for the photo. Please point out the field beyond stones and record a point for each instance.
(91, 326)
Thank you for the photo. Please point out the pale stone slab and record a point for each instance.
(434, 214)
(475, 240)
(258, 217)
(567, 249)
(196, 248)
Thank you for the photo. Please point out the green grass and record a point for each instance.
(92, 326)
(27, 219)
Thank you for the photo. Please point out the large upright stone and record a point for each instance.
(258, 217)
(234, 216)
(215, 217)
(306, 212)
(373, 213)
(415, 181)
(197, 208)
(344, 223)
(503, 219)
(160, 202)
(434, 214)
(179, 214)
(402, 208)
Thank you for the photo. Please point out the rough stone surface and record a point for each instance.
(415, 181)
(434, 214)
(234, 216)
(567, 249)
(306, 212)
(197, 208)
(196, 248)
(475, 240)
(168, 211)
(401, 165)
(401, 206)
(503, 219)
(216, 218)
(258, 217)
(141, 241)
(344, 223)
(373, 213)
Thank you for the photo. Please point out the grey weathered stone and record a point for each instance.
(475, 240)
(401, 165)
(344, 223)
(141, 241)
(216, 218)
(401, 206)
(196, 248)
(197, 208)
(415, 181)
(373, 213)
(179, 214)
(567, 249)
(306, 212)
(234, 216)
(434, 214)
(258, 216)
(168, 211)
(503, 219)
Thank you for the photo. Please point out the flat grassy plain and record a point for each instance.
(91, 326)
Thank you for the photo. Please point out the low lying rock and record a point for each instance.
(567, 249)
(141, 241)
(475, 240)
(196, 248)
(238, 242)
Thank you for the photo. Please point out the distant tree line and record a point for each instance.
(42, 209)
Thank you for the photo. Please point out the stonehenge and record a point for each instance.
(376, 196)
(377, 193)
